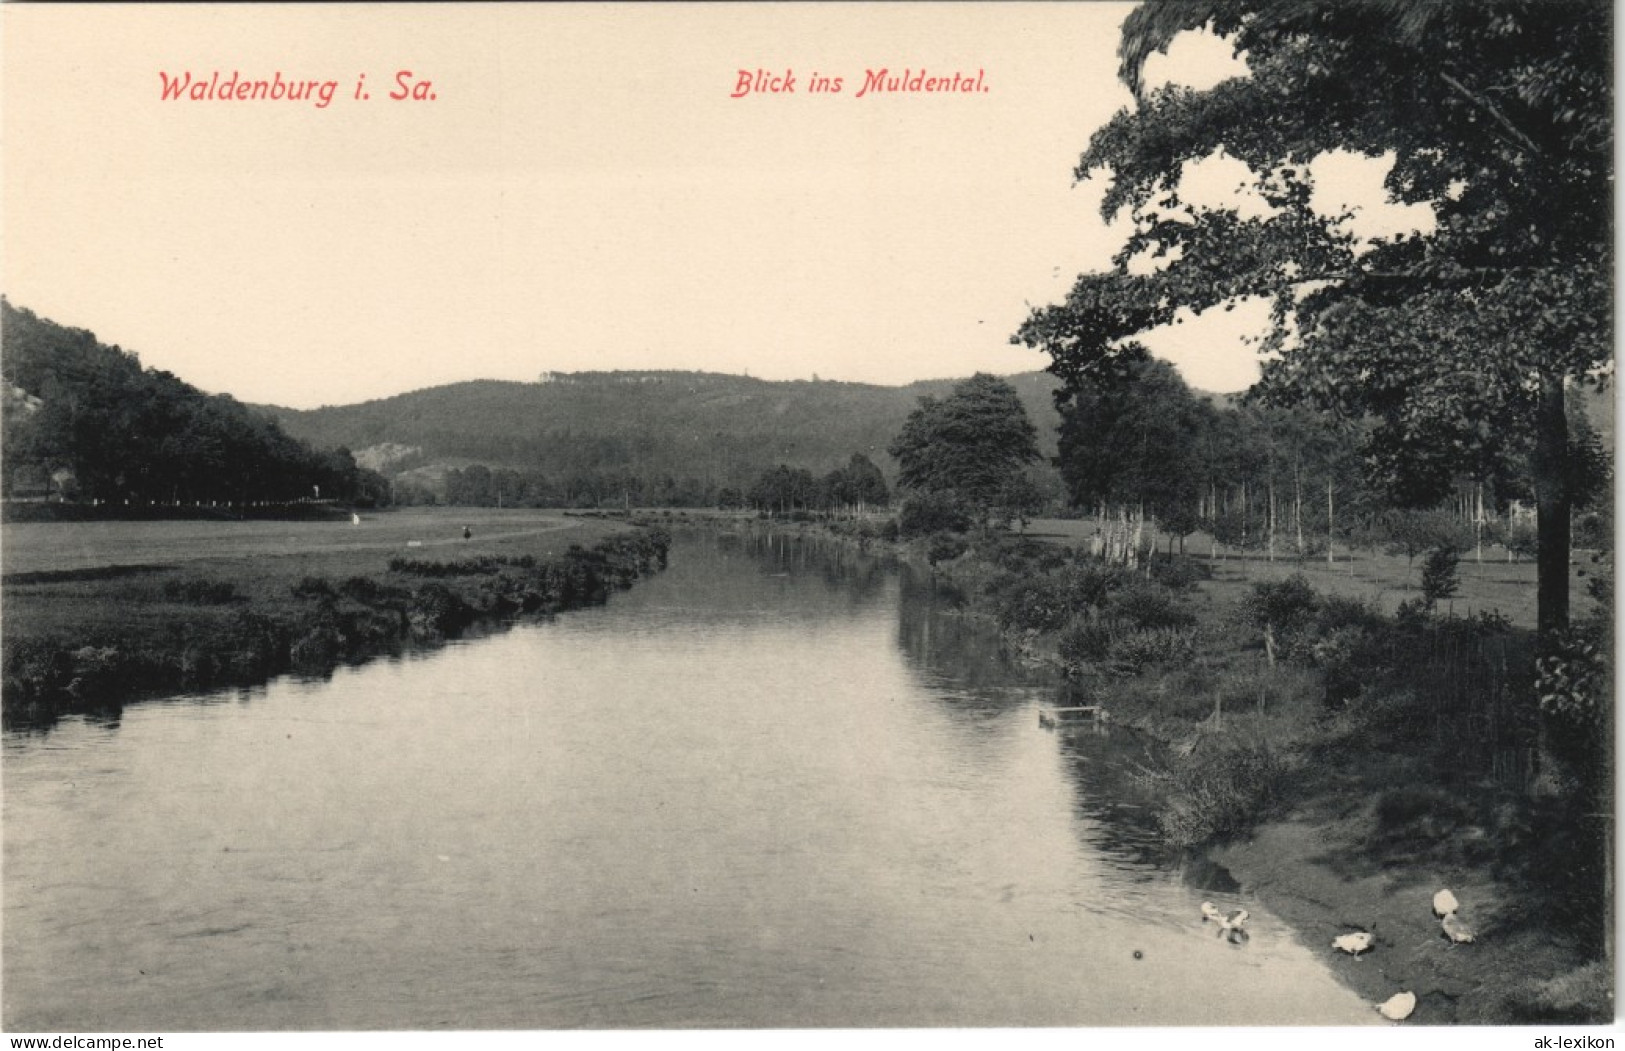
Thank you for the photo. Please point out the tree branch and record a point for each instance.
(1489, 107)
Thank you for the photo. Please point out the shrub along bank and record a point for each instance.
(86, 640)
(1350, 763)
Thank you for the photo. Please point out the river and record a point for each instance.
(773, 786)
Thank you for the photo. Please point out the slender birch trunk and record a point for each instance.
(1331, 522)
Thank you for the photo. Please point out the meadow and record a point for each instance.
(96, 612)
(31, 548)
(1381, 580)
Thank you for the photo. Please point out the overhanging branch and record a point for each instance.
(1519, 138)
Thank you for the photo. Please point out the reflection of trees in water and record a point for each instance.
(858, 574)
(1116, 798)
(746, 576)
(1112, 769)
(965, 651)
(1117, 793)
(32, 722)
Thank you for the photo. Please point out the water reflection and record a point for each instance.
(769, 787)
(1114, 776)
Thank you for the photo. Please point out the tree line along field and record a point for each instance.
(1496, 584)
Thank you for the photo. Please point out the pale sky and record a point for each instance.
(582, 193)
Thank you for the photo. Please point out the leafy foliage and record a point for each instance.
(1439, 580)
(89, 412)
(1135, 442)
(926, 513)
(967, 444)
(1459, 343)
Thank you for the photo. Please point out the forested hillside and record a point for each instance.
(84, 420)
(666, 436)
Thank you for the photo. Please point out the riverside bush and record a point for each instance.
(1336, 611)
(370, 592)
(945, 547)
(1087, 639)
(1135, 651)
(1149, 605)
(313, 587)
(1029, 603)
(1223, 792)
(1180, 574)
(1090, 584)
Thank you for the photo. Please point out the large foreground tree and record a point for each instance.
(1459, 341)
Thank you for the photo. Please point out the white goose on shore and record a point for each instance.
(1398, 1007)
(1355, 943)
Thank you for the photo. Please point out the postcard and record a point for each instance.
(1012, 520)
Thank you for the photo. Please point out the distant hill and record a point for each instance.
(86, 421)
(715, 429)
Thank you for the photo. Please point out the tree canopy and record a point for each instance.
(968, 444)
(1458, 341)
(1134, 443)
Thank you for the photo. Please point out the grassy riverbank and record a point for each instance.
(98, 612)
(1346, 757)
(1344, 749)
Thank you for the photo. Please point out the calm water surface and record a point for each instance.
(768, 788)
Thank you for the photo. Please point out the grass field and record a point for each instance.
(94, 611)
(1382, 581)
(55, 547)
(89, 579)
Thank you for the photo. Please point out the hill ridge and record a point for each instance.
(660, 427)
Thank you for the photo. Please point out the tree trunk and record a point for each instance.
(1213, 519)
(1139, 536)
(1331, 524)
(1552, 507)
(1272, 519)
(1478, 523)
(1297, 502)
(1244, 518)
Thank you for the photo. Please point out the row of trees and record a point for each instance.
(478, 485)
(857, 486)
(1461, 345)
(1141, 449)
(88, 419)
(1143, 452)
